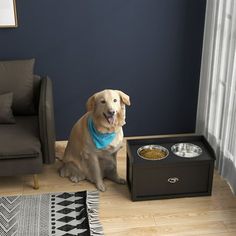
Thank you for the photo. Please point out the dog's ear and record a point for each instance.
(124, 97)
(90, 103)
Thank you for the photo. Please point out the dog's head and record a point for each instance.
(108, 109)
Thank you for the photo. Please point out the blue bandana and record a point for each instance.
(101, 140)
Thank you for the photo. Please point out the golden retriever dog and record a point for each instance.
(95, 140)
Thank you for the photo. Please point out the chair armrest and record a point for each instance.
(46, 121)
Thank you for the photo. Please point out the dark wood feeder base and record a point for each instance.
(173, 176)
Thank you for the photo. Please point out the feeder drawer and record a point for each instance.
(170, 180)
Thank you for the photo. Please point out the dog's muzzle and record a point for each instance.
(110, 116)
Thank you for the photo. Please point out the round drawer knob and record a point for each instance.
(173, 180)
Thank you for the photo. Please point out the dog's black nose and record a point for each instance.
(111, 112)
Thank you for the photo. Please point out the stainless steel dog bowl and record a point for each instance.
(152, 152)
(187, 150)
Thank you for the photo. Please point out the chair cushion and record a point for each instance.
(20, 140)
(17, 77)
(6, 116)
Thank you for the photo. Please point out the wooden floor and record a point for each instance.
(201, 216)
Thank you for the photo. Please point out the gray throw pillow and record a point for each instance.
(17, 77)
(6, 116)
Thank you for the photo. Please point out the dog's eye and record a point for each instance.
(115, 100)
(103, 101)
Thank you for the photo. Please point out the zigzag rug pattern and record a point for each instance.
(9, 210)
(58, 214)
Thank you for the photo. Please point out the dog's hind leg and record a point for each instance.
(69, 169)
(64, 171)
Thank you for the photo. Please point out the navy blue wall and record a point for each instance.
(150, 49)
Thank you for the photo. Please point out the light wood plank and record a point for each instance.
(171, 230)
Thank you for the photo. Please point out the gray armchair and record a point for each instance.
(27, 140)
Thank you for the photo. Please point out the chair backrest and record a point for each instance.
(17, 77)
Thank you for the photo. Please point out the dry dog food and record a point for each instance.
(153, 152)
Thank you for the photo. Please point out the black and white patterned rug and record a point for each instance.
(57, 214)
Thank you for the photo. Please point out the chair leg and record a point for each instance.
(36, 182)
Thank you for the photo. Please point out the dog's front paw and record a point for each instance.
(101, 187)
(121, 181)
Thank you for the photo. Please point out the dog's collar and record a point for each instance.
(101, 140)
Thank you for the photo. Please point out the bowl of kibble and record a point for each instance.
(153, 152)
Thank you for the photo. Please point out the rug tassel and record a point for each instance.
(93, 216)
